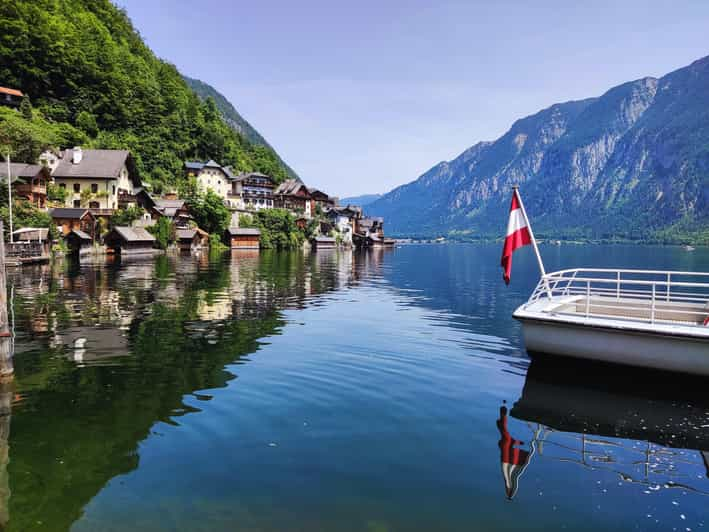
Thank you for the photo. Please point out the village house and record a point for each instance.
(322, 200)
(10, 97)
(175, 210)
(68, 219)
(97, 179)
(190, 240)
(294, 196)
(257, 190)
(243, 238)
(370, 227)
(344, 219)
(219, 179)
(129, 241)
(29, 182)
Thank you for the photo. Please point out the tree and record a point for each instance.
(277, 226)
(163, 231)
(210, 213)
(26, 108)
(87, 122)
(125, 216)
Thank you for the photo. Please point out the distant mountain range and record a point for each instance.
(632, 163)
(232, 117)
(364, 199)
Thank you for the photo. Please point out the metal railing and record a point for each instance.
(642, 295)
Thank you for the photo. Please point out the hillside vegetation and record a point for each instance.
(93, 81)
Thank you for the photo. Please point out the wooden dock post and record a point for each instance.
(6, 369)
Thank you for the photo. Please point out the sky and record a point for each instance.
(360, 97)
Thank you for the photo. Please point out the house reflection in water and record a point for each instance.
(514, 459)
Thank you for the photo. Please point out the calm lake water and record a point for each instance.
(333, 391)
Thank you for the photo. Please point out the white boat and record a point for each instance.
(654, 319)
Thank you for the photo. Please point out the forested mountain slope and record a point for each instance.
(93, 81)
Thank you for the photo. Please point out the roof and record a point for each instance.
(243, 231)
(94, 163)
(133, 234)
(317, 192)
(254, 174)
(20, 169)
(290, 187)
(197, 165)
(169, 203)
(185, 234)
(31, 233)
(62, 212)
(80, 234)
(13, 92)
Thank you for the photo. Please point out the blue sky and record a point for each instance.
(363, 96)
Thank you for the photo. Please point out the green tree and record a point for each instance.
(163, 231)
(277, 226)
(210, 213)
(26, 108)
(87, 123)
(125, 216)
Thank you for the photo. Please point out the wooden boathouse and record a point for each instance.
(243, 238)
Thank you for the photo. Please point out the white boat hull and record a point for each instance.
(619, 345)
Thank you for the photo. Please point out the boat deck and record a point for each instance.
(649, 300)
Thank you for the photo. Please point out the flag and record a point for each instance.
(518, 235)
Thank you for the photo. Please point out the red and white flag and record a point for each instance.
(518, 235)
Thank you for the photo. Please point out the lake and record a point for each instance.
(344, 391)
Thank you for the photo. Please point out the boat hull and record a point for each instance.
(680, 353)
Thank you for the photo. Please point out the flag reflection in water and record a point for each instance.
(513, 458)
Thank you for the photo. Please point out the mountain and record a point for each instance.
(232, 117)
(364, 199)
(632, 163)
(92, 81)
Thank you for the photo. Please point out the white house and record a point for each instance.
(97, 179)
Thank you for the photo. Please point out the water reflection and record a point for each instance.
(648, 428)
(513, 458)
(107, 350)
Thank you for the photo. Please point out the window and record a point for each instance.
(94, 188)
(77, 203)
(77, 187)
(114, 190)
(94, 205)
(62, 185)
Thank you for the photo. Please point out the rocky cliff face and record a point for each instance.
(632, 163)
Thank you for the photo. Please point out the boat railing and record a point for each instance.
(642, 295)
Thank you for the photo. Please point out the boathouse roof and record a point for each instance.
(243, 231)
(80, 234)
(133, 234)
(68, 213)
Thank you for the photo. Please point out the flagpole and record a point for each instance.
(531, 237)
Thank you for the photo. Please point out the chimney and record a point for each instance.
(78, 155)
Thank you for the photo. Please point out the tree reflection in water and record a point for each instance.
(107, 350)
